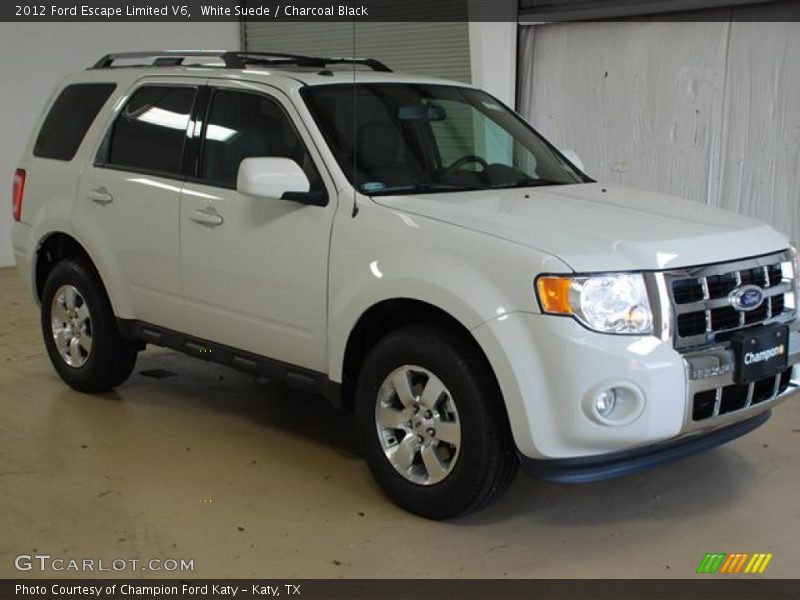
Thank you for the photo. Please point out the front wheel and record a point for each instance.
(80, 329)
(432, 424)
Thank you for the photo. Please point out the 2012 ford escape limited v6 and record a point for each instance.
(412, 249)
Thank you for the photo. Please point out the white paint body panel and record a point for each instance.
(291, 282)
(384, 254)
(602, 228)
(547, 364)
(138, 229)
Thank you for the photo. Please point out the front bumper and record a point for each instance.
(710, 375)
(609, 466)
(548, 366)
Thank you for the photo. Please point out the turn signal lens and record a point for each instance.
(554, 294)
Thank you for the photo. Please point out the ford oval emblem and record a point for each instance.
(747, 297)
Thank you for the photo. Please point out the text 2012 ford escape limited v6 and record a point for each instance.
(412, 249)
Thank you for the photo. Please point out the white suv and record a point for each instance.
(410, 248)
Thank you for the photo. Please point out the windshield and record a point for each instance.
(411, 138)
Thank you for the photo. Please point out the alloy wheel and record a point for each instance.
(71, 324)
(418, 425)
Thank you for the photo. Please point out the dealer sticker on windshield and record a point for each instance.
(373, 186)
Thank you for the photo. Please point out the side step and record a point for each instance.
(297, 377)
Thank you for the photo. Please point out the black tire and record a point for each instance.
(487, 460)
(111, 359)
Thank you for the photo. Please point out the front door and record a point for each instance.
(255, 269)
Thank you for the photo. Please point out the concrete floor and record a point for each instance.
(255, 480)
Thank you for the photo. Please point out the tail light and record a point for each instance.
(18, 191)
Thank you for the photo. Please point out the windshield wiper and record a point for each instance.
(421, 187)
(449, 187)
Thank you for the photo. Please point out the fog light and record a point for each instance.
(614, 403)
(605, 402)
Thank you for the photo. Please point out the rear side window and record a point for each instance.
(150, 132)
(69, 119)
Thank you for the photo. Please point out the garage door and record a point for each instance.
(436, 49)
(706, 111)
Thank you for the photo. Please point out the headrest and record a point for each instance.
(380, 145)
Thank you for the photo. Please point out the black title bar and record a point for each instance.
(709, 588)
(529, 11)
(256, 10)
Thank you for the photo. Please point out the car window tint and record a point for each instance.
(391, 138)
(243, 125)
(464, 131)
(69, 119)
(150, 132)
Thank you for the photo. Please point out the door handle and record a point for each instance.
(101, 196)
(207, 216)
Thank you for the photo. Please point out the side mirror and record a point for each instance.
(573, 157)
(273, 177)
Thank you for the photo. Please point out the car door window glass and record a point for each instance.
(244, 125)
(150, 133)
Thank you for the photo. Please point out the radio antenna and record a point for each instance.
(355, 129)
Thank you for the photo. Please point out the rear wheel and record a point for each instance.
(432, 425)
(80, 329)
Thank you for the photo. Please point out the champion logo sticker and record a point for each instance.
(752, 358)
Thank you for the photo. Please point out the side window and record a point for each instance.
(69, 119)
(150, 132)
(243, 125)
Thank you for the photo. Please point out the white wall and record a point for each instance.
(35, 56)
(707, 111)
(493, 54)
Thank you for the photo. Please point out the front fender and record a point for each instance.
(383, 254)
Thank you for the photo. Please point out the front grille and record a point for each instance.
(702, 308)
(723, 400)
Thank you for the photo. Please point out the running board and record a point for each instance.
(297, 377)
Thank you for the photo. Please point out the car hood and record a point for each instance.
(597, 227)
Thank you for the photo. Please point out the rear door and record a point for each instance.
(129, 199)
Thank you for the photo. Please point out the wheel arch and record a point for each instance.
(385, 316)
(56, 246)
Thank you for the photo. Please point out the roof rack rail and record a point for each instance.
(236, 59)
(239, 59)
(161, 58)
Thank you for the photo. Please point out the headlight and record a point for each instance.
(613, 303)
